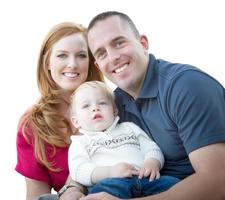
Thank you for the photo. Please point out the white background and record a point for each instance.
(187, 31)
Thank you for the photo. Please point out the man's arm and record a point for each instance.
(209, 180)
(207, 183)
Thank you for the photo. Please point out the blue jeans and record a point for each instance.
(126, 188)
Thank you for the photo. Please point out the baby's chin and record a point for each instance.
(100, 129)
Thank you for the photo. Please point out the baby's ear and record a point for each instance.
(115, 112)
(75, 122)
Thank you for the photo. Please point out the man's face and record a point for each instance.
(119, 54)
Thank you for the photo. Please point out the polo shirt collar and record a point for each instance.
(150, 84)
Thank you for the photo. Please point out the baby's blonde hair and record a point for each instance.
(97, 85)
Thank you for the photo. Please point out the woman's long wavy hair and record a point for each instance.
(43, 119)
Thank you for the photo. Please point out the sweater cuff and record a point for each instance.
(156, 154)
(84, 173)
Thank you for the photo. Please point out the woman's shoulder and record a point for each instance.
(24, 117)
(24, 130)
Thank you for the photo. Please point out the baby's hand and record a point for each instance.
(150, 168)
(122, 170)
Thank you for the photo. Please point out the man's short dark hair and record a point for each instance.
(125, 18)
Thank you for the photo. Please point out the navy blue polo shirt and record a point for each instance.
(180, 107)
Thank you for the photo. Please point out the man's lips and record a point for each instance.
(120, 69)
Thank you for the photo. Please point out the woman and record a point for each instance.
(44, 130)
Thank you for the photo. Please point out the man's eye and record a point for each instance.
(101, 55)
(119, 43)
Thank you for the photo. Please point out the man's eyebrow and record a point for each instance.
(117, 38)
(111, 42)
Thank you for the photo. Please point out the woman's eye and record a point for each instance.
(82, 55)
(62, 56)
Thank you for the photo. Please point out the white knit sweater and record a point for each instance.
(124, 142)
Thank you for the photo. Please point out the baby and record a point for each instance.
(118, 158)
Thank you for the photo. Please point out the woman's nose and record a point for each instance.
(72, 63)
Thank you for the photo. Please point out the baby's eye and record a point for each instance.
(85, 106)
(102, 103)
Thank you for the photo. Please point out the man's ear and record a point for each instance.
(144, 41)
(75, 122)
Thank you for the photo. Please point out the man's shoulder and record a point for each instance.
(185, 76)
(169, 70)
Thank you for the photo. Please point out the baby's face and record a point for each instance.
(94, 110)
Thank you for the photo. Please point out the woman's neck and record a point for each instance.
(65, 95)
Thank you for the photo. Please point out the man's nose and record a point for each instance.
(113, 55)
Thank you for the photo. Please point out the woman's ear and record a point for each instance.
(75, 122)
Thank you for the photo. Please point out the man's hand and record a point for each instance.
(99, 196)
(72, 194)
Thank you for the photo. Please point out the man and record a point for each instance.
(181, 107)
